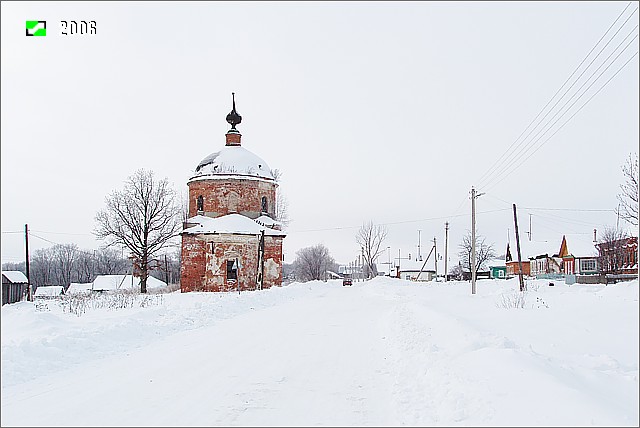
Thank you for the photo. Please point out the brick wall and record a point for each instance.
(233, 195)
(205, 257)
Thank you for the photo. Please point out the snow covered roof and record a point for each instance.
(267, 221)
(233, 161)
(577, 246)
(49, 291)
(79, 288)
(15, 276)
(414, 265)
(230, 223)
(124, 282)
(497, 262)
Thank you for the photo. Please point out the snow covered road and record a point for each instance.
(386, 352)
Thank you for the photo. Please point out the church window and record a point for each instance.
(200, 203)
(232, 270)
(264, 204)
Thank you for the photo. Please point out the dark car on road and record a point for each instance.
(346, 280)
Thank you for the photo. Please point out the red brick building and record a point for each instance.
(231, 240)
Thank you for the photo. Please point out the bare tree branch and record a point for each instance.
(628, 197)
(370, 238)
(142, 217)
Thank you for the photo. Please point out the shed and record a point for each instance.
(15, 286)
(48, 292)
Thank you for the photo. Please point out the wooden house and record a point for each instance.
(15, 286)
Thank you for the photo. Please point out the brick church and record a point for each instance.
(231, 240)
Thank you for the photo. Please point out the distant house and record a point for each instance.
(619, 257)
(48, 292)
(76, 288)
(580, 265)
(545, 266)
(415, 270)
(15, 286)
(513, 268)
(124, 282)
(497, 269)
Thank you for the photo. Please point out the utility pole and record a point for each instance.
(26, 246)
(446, 243)
(529, 227)
(515, 221)
(435, 259)
(474, 196)
(473, 241)
(166, 269)
(419, 253)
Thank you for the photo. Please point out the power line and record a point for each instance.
(398, 222)
(572, 116)
(521, 151)
(531, 144)
(497, 162)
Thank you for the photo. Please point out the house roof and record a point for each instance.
(124, 282)
(15, 276)
(79, 288)
(231, 223)
(49, 290)
(496, 263)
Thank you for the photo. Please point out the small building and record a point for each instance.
(110, 283)
(513, 268)
(583, 264)
(619, 257)
(545, 266)
(47, 292)
(415, 270)
(497, 269)
(79, 288)
(15, 286)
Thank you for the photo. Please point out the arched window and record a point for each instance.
(265, 206)
(200, 203)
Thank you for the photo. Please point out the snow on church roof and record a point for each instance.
(230, 223)
(233, 160)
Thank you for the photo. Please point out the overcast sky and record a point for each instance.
(374, 111)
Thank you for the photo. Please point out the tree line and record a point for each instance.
(62, 264)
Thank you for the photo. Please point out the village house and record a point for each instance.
(48, 292)
(231, 240)
(14, 286)
(544, 266)
(619, 257)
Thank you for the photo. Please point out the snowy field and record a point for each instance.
(384, 352)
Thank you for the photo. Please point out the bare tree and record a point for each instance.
(370, 238)
(312, 263)
(143, 217)
(628, 197)
(41, 267)
(64, 257)
(84, 267)
(612, 248)
(282, 210)
(184, 206)
(484, 252)
(110, 262)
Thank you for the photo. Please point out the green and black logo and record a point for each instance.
(36, 28)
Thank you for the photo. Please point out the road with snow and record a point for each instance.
(385, 352)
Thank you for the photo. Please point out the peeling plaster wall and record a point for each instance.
(231, 195)
(204, 262)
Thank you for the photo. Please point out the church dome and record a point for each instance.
(234, 160)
